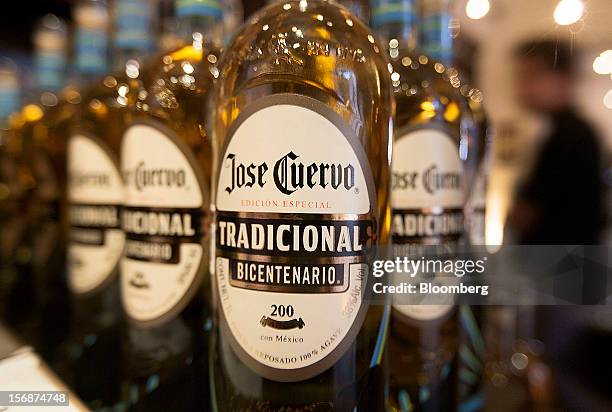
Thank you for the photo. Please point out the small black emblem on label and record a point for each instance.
(282, 324)
(139, 282)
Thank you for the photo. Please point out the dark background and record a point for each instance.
(20, 16)
(18, 20)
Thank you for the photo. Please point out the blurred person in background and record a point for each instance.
(562, 200)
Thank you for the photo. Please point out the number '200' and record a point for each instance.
(282, 311)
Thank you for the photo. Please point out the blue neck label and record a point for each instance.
(202, 8)
(91, 51)
(392, 11)
(134, 25)
(50, 68)
(436, 41)
(9, 101)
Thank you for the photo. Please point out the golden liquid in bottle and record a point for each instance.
(433, 163)
(40, 145)
(16, 183)
(95, 242)
(169, 101)
(98, 124)
(423, 374)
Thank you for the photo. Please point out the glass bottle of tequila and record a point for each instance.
(432, 157)
(13, 193)
(472, 318)
(166, 160)
(96, 192)
(483, 133)
(302, 134)
(17, 175)
(37, 302)
(9, 183)
(91, 238)
(94, 186)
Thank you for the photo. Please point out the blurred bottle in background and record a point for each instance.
(10, 94)
(472, 346)
(135, 31)
(94, 186)
(483, 132)
(38, 301)
(434, 29)
(165, 279)
(96, 191)
(433, 125)
(13, 191)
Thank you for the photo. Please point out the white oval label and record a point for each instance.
(163, 221)
(95, 194)
(427, 198)
(427, 193)
(293, 229)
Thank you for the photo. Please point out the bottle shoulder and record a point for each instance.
(53, 117)
(101, 108)
(411, 68)
(175, 80)
(427, 90)
(316, 43)
(172, 92)
(189, 69)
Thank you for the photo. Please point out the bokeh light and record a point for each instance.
(568, 12)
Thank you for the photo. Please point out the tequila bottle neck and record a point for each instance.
(421, 24)
(394, 22)
(134, 27)
(91, 40)
(200, 30)
(50, 57)
(200, 21)
(10, 94)
(434, 29)
(91, 55)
